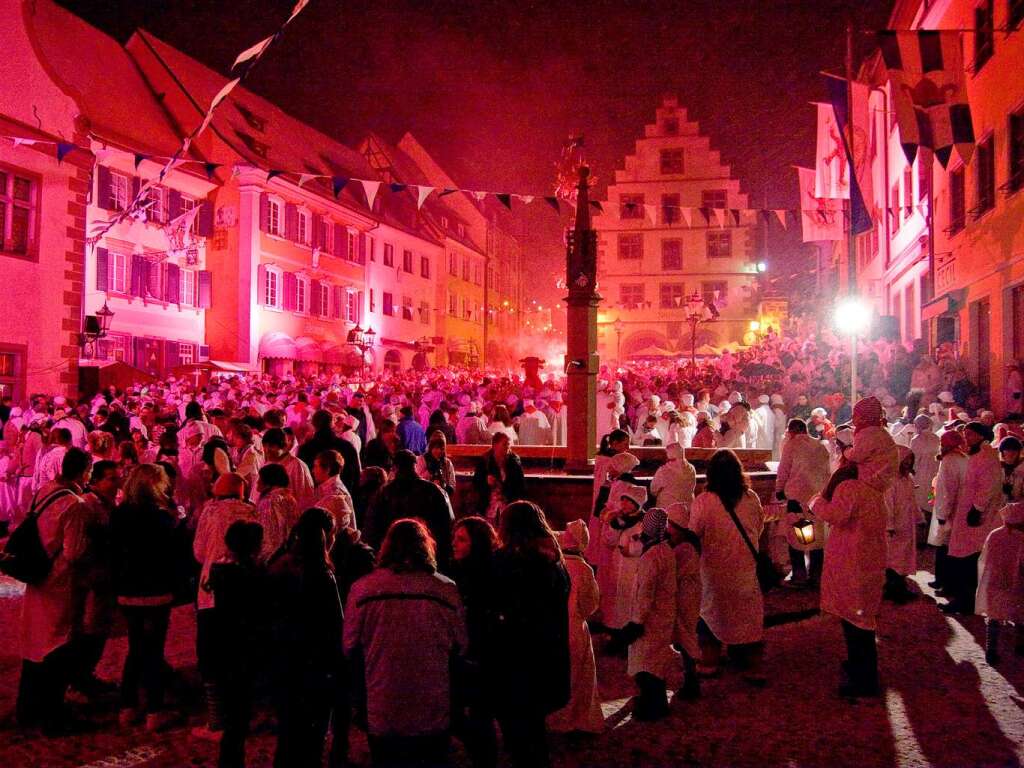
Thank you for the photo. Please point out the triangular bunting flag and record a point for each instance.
(63, 147)
(735, 215)
(479, 195)
(396, 187)
(597, 206)
(651, 211)
(221, 95)
(26, 142)
(719, 216)
(447, 191)
(780, 214)
(553, 202)
(370, 189)
(687, 214)
(505, 199)
(296, 11)
(422, 193)
(272, 173)
(103, 155)
(211, 168)
(139, 157)
(254, 52)
(305, 178)
(706, 213)
(337, 184)
(526, 198)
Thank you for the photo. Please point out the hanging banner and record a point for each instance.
(855, 133)
(822, 218)
(831, 169)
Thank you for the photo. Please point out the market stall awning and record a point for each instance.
(342, 354)
(944, 305)
(308, 350)
(654, 351)
(278, 344)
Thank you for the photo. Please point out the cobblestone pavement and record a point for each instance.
(943, 705)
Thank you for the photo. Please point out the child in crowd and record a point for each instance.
(1000, 596)
(686, 548)
(902, 518)
(621, 537)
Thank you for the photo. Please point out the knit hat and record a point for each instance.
(868, 409)
(923, 422)
(653, 526)
(984, 430)
(950, 440)
(575, 536)
(1013, 514)
(674, 451)
(1010, 443)
(635, 493)
(678, 514)
(763, 399)
(623, 462)
(844, 435)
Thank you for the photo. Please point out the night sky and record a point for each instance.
(493, 89)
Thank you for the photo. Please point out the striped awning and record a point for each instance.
(278, 344)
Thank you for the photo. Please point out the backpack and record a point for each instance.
(24, 557)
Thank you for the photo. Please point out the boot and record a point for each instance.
(992, 641)
(214, 727)
(691, 683)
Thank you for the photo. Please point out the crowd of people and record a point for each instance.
(309, 524)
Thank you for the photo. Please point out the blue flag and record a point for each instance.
(837, 96)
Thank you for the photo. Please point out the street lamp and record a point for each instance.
(696, 313)
(618, 326)
(363, 341)
(852, 317)
(96, 327)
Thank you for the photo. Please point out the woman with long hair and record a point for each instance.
(501, 421)
(728, 520)
(145, 552)
(404, 621)
(435, 466)
(531, 604)
(307, 629)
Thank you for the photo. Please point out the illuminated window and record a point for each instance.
(117, 272)
(272, 287)
(186, 286)
(275, 222)
(120, 191)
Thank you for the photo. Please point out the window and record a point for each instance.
(11, 370)
(957, 200)
(302, 227)
(985, 162)
(894, 208)
(407, 308)
(373, 301)
(326, 239)
(155, 204)
(389, 255)
(671, 161)
(301, 294)
(185, 205)
(424, 266)
(120, 191)
(17, 213)
(631, 247)
(444, 222)
(353, 245)
(714, 291)
(714, 198)
(1018, 328)
(984, 34)
(461, 229)
(186, 286)
(352, 306)
(186, 353)
(671, 295)
(389, 304)
(631, 295)
(117, 272)
(466, 268)
(275, 211)
(670, 209)
(1016, 135)
(272, 287)
(453, 264)
(631, 206)
(1014, 13)
(113, 347)
(671, 254)
(155, 281)
(719, 245)
(425, 313)
(670, 126)
(453, 304)
(407, 261)
(908, 192)
(324, 300)
(371, 248)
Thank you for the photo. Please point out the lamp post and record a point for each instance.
(852, 317)
(695, 315)
(363, 341)
(96, 327)
(618, 326)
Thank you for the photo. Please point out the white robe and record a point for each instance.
(1001, 576)
(765, 419)
(948, 485)
(854, 571)
(983, 490)
(925, 447)
(617, 583)
(902, 517)
(803, 472)
(583, 712)
(731, 601)
(687, 598)
(654, 606)
(534, 429)
(674, 481)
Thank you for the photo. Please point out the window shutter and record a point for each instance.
(171, 356)
(340, 241)
(172, 291)
(315, 234)
(204, 219)
(204, 352)
(362, 247)
(314, 297)
(140, 352)
(359, 307)
(103, 196)
(153, 280)
(205, 282)
(136, 185)
(102, 270)
(290, 290)
(261, 285)
(291, 223)
(138, 277)
(173, 204)
(339, 300)
(264, 212)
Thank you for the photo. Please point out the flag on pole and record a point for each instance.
(926, 73)
(831, 168)
(821, 217)
(854, 131)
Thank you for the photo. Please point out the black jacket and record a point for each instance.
(147, 551)
(409, 496)
(514, 486)
(326, 440)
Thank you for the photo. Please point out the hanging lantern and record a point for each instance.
(804, 530)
